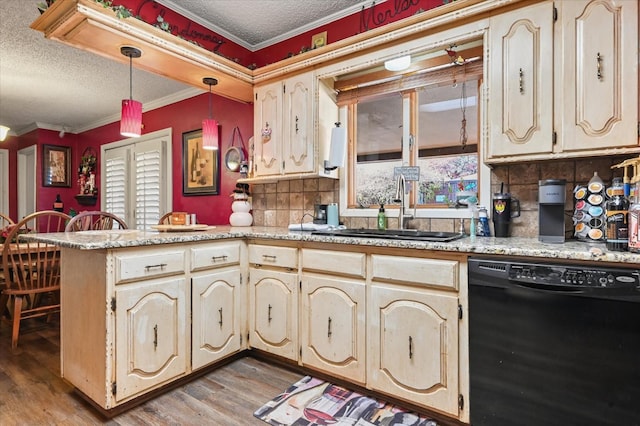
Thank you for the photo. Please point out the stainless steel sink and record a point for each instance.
(392, 234)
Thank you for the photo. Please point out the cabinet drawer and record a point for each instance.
(427, 272)
(140, 265)
(283, 257)
(338, 262)
(207, 256)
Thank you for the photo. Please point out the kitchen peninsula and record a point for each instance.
(143, 309)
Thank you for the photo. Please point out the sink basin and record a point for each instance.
(392, 234)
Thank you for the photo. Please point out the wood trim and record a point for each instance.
(471, 70)
(419, 25)
(425, 64)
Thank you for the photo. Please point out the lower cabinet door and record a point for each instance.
(274, 312)
(413, 343)
(333, 326)
(215, 311)
(150, 335)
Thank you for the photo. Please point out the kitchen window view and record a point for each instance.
(443, 143)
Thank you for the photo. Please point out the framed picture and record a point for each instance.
(319, 40)
(200, 171)
(56, 166)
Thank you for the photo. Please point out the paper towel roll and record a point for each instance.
(338, 147)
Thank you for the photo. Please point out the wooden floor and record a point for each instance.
(32, 392)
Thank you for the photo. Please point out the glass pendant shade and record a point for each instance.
(210, 134)
(131, 118)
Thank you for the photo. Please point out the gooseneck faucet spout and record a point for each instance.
(400, 198)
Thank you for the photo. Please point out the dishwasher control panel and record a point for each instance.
(574, 276)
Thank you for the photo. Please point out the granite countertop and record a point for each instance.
(570, 250)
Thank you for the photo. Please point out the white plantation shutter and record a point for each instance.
(137, 179)
(148, 172)
(115, 183)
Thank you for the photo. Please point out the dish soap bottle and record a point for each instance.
(382, 218)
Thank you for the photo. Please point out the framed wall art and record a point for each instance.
(56, 166)
(200, 171)
(319, 40)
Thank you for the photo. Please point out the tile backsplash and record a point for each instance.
(279, 204)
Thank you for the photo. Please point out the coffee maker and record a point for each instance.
(551, 200)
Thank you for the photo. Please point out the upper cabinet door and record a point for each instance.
(298, 155)
(267, 129)
(599, 79)
(521, 82)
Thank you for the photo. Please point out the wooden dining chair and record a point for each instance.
(32, 270)
(5, 220)
(165, 219)
(95, 220)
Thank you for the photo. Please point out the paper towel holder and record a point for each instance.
(337, 149)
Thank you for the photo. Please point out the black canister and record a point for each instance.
(617, 225)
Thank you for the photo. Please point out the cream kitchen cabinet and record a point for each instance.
(574, 80)
(273, 300)
(218, 317)
(333, 314)
(151, 335)
(413, 328)
(139, 318)
(284, 126)
(292, 126)
(520, 82)
(597, 81)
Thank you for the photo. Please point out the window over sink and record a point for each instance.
(428, 117)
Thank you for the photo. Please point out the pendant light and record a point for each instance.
(131, 118)
(209, 125)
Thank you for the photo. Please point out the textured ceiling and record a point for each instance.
(49, 85)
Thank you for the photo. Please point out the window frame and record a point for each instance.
(444, 39)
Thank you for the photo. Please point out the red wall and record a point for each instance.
(187, 115)
(183, 117)
(373, 16)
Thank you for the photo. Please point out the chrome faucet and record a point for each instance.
(399, 198)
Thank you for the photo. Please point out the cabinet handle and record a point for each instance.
(269, 314)
(269, 257)
(223, 258)
(155, 336)
(521, 81)
(329, 327)
(296, 124)
(220, 312)
(599, 66)
(150, 267)
(410, 347)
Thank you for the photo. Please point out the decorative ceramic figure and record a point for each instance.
(241, 208)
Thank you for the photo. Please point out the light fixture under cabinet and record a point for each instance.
(4, 131)
(398, 64)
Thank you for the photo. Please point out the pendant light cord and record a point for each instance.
(130, 77)
(210, 103)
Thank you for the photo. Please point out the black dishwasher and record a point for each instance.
(553, 344)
